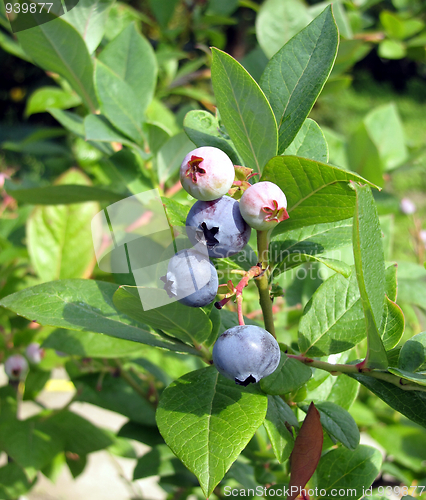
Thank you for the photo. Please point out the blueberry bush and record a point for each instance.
(303, 329)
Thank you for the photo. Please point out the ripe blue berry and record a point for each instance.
(263, 206)
(246, 354)
(191, 279)
(207, 173)
(220, 225)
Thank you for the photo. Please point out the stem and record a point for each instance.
(240, 310)
(130, 380)
(262, 283)
(348, 369)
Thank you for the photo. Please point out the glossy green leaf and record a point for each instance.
(115, 394)
(176, 213)
(316, 192)
(333, 319)
(118, 102)
(413, 353)
(393, 324)
(190, 325)
(310, 240)
(160, 461)
(347, 470)
(51, 97)
(279, 21)
(276, 426)
(83, 305)
(207, 421)
(171, 154)
(13, 482)
(418, 378)
(244, 111)
(412, 404)
(131, 57)
(61, 194)
(384, 127)
(58, 47)
(338, 423)
(98, 128)
(59, 237)
(91, 345)
(296, 259)
(296, 74)
(142, 433)
(289, 376)
(203, 130)
(309, 143)
(370, 271)
(89, 17)
(70, 121)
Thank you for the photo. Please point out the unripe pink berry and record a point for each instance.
(263, 206)
(16, 367)
(207, 173)
(407, 206)
(34, 353)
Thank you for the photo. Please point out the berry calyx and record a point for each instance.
(263, 206)
(207, 173)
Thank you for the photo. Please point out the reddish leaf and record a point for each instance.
(306, 452)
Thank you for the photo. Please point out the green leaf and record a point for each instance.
(160, 461)
(175, 212)
(61, 194)
(91, 345)
(31, 443)
(412, 284)
(131, 57)
(76, 465)
(118, 102)
(370, 271)
(71, 121)
(338, 423)
(418, 378)
(163, 10)
(289, 376)
(80, 436)
(207, 421)
(304, 63)
(333, 319)
(384, 127)
(398, 27)
(115, 395)
(346, 470)
(309, 143)
(310, 240)
(413, 353)
(98, 128)
(279, 21)
(296, 259)
(406, 446)
(89, 17)
(393, 324)
(171, 154)
(13, 482)
(281, 437)
(244, 111)
(142, 433)
(412, 404)
(59, 237)
(190, 325)
(157, 136)
(392, 49)
(58, 47)
(316, 192)
(50, 97)
(203, 130)
(83, 305)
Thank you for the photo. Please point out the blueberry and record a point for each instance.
(16, 367)
(191, 279)
(207, 173)
(263, 206)
(220, 225)
(34, 353)
(246, 354)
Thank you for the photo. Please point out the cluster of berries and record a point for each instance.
(224, 225)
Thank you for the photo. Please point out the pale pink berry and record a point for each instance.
(422, 236)
(263, 206)
(407, 206)
(16, 367)
(207, 173)
(34, 353)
